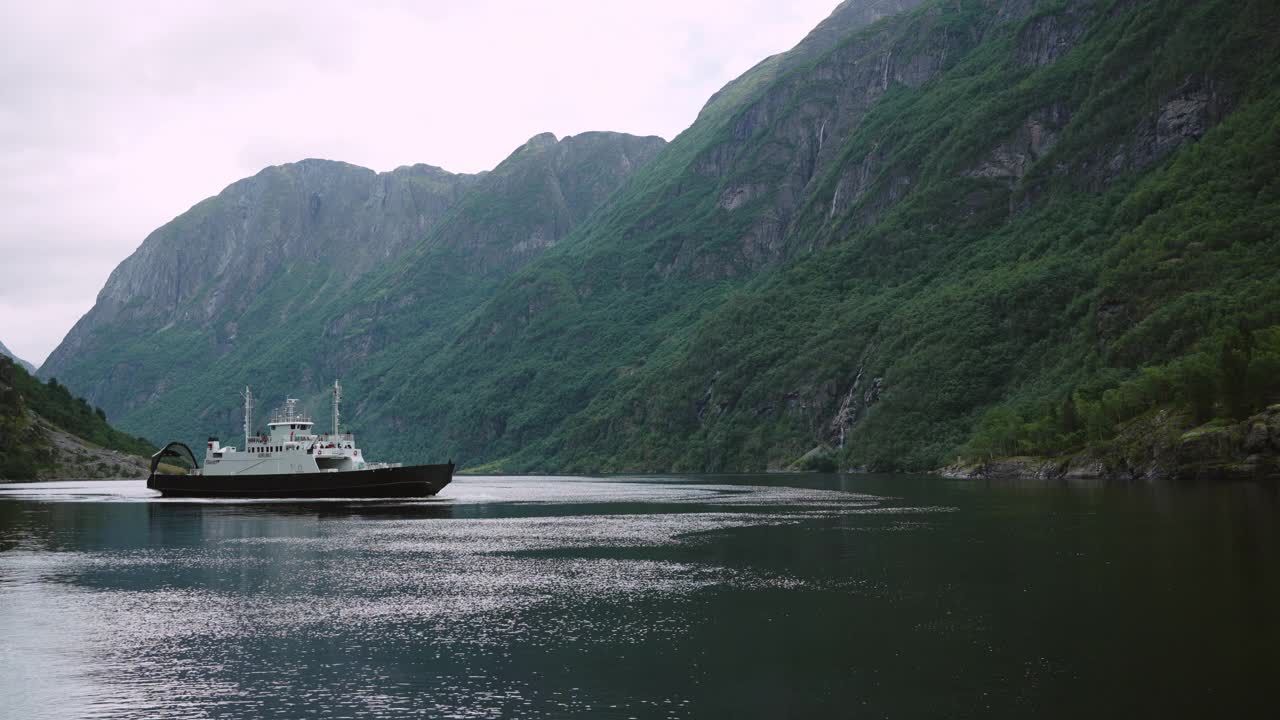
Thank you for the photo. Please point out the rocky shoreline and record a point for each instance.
(1159, 446)
(67, 457)
(72, 458)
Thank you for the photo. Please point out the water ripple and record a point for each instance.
(225, 609)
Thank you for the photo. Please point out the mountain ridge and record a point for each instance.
(22, 363)
(270, 261)
(945, 230)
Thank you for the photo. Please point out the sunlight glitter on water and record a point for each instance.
(655, 597)
(215, 605)
(472, 490)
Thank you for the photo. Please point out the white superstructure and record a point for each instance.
(289, 446)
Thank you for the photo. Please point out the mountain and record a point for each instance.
(22, 363)
(966, 211)
(268, 247)
(303, 272)
(933, 230)
(45, 432)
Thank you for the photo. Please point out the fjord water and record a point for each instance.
(744, 596)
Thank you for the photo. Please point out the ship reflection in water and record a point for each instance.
(770, 596)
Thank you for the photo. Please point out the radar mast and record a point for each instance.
(248, 415)
(337, 398)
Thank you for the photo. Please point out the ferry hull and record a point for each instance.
(413, 481)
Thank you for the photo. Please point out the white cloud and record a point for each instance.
(117, 116)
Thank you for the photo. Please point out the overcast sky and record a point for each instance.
(117, 116)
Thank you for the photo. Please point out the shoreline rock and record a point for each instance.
(1156, 447)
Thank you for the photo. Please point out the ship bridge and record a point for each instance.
(288, 424)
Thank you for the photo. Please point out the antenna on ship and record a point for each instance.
(337, 397)
(248, 414)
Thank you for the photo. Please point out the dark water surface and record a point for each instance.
(758, 596)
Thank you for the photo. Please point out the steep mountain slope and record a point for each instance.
(265, 249)
(968, 228)
(306, 271)
(22, 363)
(970, 205)
(848, 17)
(45, 432)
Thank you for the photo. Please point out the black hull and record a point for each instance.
(414, 481)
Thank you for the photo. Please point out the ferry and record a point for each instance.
(291, 460)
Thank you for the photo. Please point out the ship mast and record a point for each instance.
(337, 397)
(248, 415)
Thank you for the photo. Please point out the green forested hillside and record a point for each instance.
(28, 449)
(892, 328)
(971, 229)
(1014, 321)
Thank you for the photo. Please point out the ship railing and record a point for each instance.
(340, 437)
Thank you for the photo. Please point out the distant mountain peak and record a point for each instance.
(9, 353)
(545, 139)
(320, 238)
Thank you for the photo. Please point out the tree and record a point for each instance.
(1233, 368)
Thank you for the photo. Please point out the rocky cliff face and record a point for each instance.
(306, 255)
(329, 222)
(539, 194)
(848, 18)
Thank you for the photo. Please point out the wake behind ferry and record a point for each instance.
(292, 461)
